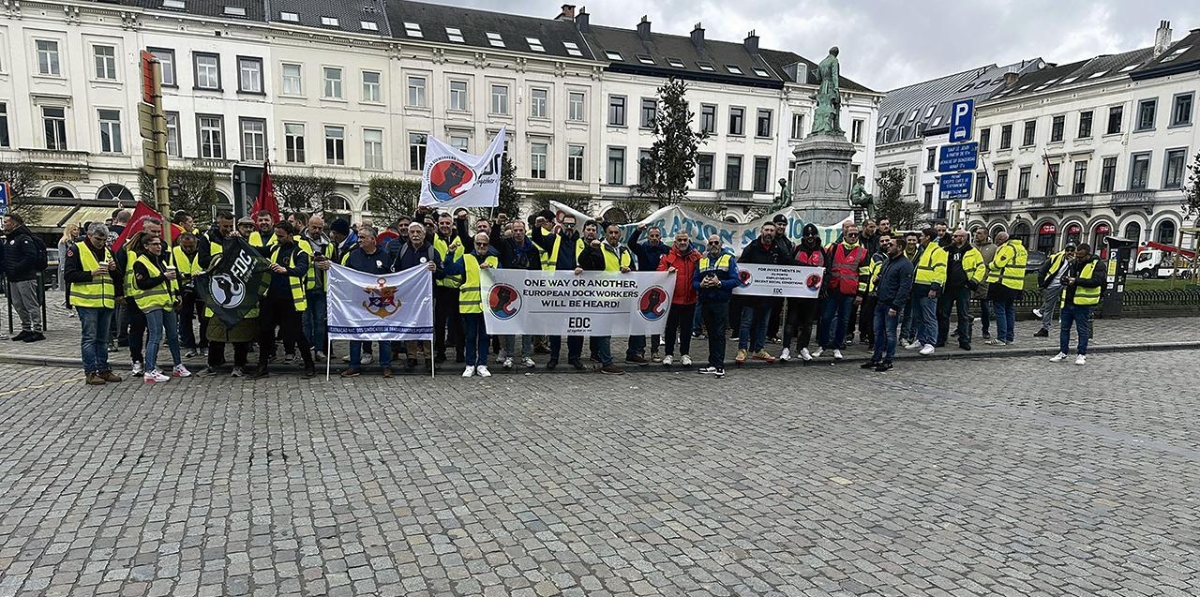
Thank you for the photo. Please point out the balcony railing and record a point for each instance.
(55, 157)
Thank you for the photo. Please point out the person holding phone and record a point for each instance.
(89, 270)
(158, 298)
(716, 277)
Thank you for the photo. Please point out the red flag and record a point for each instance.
(266, 196)
(141, 213)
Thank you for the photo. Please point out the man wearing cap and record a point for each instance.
(1050, 280)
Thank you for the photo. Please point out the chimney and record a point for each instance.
(583, 21)
(698, 36)
(751, 42)
(1162, 37)
(567, 14)
(644, 29)
(1010, 78)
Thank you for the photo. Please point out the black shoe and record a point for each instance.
(965, 346)
(551, 364)
(869, 365)
(439, 359)
(309, 373)
(260, 373)
(884, 366)
(35, 337)
(410, 363)
(1042, 334)
(577, 364)
(21, 336)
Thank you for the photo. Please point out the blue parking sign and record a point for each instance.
(962, 120)
(4, 197)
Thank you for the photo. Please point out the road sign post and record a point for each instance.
(4, 197)
(956, 158)
(152, 124)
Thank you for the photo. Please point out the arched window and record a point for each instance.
(114, 192)
(1166, 232)
(732, 219)
(61, 192)
(339, 203)
(1133, 232)
(1021, 233)
(616, 215)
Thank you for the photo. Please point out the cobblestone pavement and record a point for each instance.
(973, 477)
(62, 344)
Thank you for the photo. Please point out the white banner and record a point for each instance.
(453, 179)
(674, 219)
(563, 304)
(380, 307)
(793, 281)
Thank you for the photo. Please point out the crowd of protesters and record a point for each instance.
(893, 289)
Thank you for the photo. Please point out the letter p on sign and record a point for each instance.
(962, 116)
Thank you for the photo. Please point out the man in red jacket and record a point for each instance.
(681, 260)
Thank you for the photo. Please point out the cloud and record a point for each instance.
(889, 43)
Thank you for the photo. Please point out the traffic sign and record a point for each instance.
(146, 120)
(956, 158)
(962, 117)
(955, 186)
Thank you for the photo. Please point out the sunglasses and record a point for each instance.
(481, 244)
(569, 224)
(714, 243)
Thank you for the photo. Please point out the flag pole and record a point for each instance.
(432, 362)
(328, 347)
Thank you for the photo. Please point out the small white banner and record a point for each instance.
(454, 179)
(373, 307)
(563, 304)
(793, 281)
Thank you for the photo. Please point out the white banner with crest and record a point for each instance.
(371, 307)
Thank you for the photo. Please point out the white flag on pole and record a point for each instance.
(454, 179)
(371, 307)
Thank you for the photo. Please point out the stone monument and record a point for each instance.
(822, 180)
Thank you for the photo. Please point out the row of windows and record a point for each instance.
(1146, 120)
(1174, 176)
(705, 168)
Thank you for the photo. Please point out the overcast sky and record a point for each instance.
(891, 43)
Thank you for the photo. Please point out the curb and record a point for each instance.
(452, 370)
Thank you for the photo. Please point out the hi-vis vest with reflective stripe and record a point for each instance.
(615, 260)
(553, 260)
(1056, 261)
(1008, 266)
(441, 248)
(707, 265)
(187, 266)
(931, 266)
(297, 284)
(550, 258)
(1084, 297)
(99, 293)
(255, 239)
(973, 265)
(468, 294)
(844, 269)
(314, 274)
(162, 295)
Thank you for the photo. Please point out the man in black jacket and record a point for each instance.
(1083, 285)
(757, 309)
(23, 256)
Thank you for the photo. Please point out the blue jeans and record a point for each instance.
(510, 345)
(985, 317)
(637, 346)
(909, 327)
(1006, 320)
(156, 321)
(885, 334)
(716, 319)
(476, 339)
(385, 354)
(602, 346)
(925, 312)
(1080, 316)
(836, 318)
(93, 343)
(753, 332)
(314, 321)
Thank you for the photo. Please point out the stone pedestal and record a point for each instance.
(821, 182)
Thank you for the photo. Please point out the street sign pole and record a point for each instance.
(152, 124)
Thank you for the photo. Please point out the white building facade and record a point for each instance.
(352, 91)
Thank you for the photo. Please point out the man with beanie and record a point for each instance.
(1050, 280)
(802, 312)
(716, 277)
(789, 248)
(1082, 287)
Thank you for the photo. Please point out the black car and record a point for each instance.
(1034, 261)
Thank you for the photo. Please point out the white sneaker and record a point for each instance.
(508, 362)
(1081, 360)
(667, 360)
(482, 371)
(155, 376)
(915, 345)
(137, 368)
(804, 354)
(1058, 357)
(786, 355)
(528, 362)
(368, 358)
(837, 355)
(180, 371)
(927, 350)
(1037, 313)
(685, 360)
(469, 371)
(662, 341)
(816, 354)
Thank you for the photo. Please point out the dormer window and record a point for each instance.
(177, 4)
(454, 34)
(330, 22)
(289, 17)
(613, 55)
(572, 48)
(762, 72)
(495, 40)
(535, 44)
(413, 30)
(645, 59)
(368, 25)
(706, 66)
(235, 11)
(675, 62)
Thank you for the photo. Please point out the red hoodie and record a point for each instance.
(685, 271)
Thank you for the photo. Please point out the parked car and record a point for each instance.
(1034, 261)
